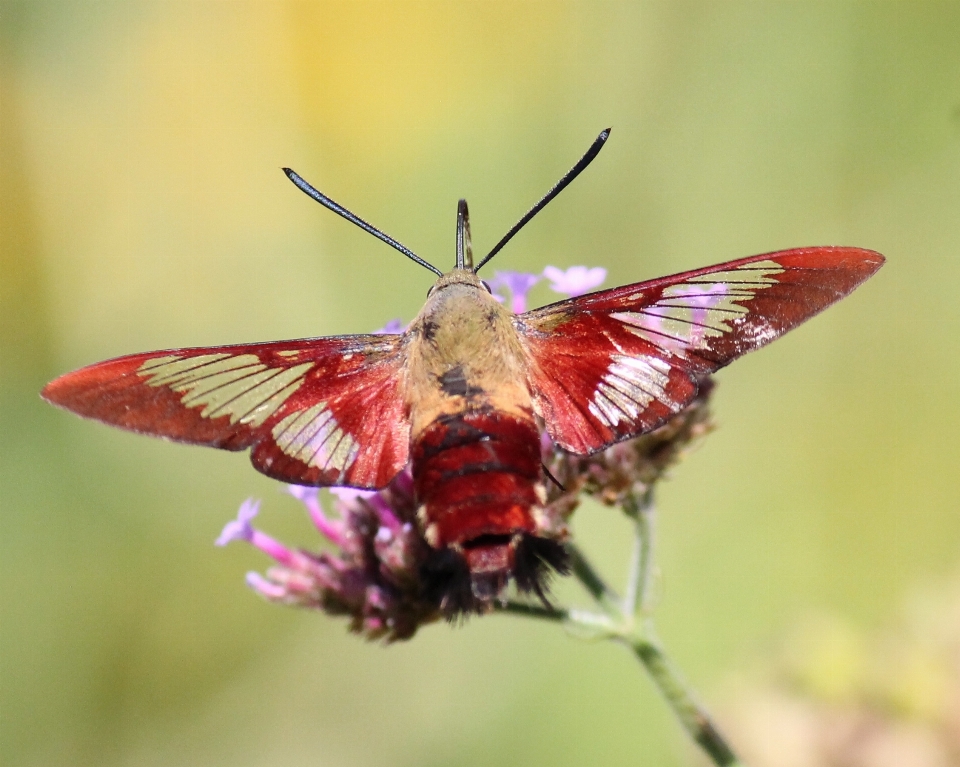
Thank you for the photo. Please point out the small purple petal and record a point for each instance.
(293, 581)
(334, 564)
(576, 280)
(518, 283)
(391, 328)
(377, 598)
(403, 482)
(265, 588)
(273, 548)
(303, 494)
(348, 495)
(384, 511)
(515, 282)
(240, 529)
(310, 497)
(546, 444)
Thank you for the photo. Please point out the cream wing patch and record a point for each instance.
(628, 386)
(313, 437)
(689, 314)
(239, 386)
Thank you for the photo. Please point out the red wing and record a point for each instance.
(323, 411)
(611, 365)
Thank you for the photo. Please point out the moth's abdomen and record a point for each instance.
(477, 474)
(478, 481)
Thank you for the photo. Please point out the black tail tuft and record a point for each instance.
(535, 560)
(446, 582)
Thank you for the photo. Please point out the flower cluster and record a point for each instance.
(376, 574)
(626, 471)
(383, 574)
(571, 282)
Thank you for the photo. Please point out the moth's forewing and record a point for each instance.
(323, 411)
(610, 365)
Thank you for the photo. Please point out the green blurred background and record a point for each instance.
(143, 207)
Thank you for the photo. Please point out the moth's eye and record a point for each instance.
(430, 290)
(486, 285)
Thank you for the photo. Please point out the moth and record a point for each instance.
(464, 392)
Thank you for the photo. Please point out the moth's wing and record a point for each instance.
(321, 411)
(610, 365)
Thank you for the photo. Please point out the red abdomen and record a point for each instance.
(477, 477)
(476, 474)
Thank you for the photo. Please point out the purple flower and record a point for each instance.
(267, 589)
(344, 494)
(240, 529)
(332, 530)
(391, 328)
(576, 280)
(375, 576)
(518, 284)
(630, 468)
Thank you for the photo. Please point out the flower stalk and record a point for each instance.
(629, 621)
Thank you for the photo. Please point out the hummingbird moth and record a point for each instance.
(464, 392)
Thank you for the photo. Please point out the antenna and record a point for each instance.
(569, 176)
(308, 190)
(464, 246)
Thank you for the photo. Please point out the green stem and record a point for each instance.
(532, 611)
(630, 622)
(639, 635)
(692, 715)
(640, 584)
(591, 580)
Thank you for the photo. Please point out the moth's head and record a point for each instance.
(459, 277)
(456, 300)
